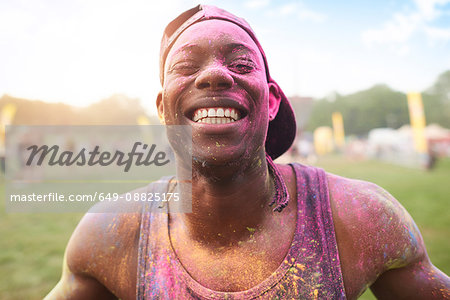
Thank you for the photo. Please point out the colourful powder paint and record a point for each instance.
(311, 268)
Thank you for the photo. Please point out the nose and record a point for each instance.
(214, 77)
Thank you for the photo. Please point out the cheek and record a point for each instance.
(260, 94)
(257, 86)
(173, 89)
(174, 86)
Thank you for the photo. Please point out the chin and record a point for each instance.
(214, 171)
(218, 153)
(221, 164)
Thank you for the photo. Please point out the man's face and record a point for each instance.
(215, 81)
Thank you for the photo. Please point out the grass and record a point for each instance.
(31, 252)
(32, 245)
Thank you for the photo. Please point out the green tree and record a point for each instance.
(381, 106)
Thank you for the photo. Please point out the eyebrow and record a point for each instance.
(187, 47)
(231, 47)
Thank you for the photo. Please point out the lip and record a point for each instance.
(218, 129)
(215, 102)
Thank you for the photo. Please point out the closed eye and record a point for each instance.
(242, 66)
(184, 68)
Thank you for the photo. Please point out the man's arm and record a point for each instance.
(100, 261)
(78, 277)
(420, 280)
(380, 245)
(414, 276)
(78, 286)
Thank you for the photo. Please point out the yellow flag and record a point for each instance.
(338, 129)
(6, 117)
(417, 118)
(323, 140)
(7, 114)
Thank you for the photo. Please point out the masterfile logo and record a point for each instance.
(70, 168)
(91, 158)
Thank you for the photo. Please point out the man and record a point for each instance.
(257, 229)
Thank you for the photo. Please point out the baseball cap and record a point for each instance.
(282, 128)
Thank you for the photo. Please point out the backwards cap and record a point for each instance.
(282, 128)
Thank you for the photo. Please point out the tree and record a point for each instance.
(380, 106)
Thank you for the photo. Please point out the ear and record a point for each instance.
(274, 100)
(160, 106)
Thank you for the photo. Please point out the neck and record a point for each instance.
(228, 209)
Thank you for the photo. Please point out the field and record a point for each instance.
(32, 245)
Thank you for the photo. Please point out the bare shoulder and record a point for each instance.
(374, 232)
(103, 246)
(101, 256)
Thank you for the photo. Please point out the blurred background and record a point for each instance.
(369, 82)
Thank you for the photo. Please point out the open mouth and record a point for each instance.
(216, 115)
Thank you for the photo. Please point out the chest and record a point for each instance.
(239, 266)
(229, 270)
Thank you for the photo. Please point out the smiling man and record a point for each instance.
(257, 229)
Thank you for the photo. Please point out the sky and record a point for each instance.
(79, 52)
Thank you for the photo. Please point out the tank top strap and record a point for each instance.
(320, 250)
(153, 216)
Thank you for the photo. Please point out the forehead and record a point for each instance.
(216, 34)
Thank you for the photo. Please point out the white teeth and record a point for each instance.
(233, 114)
(217, 115)
(216, 120)
(211, 112)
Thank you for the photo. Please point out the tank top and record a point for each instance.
(310, 270)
